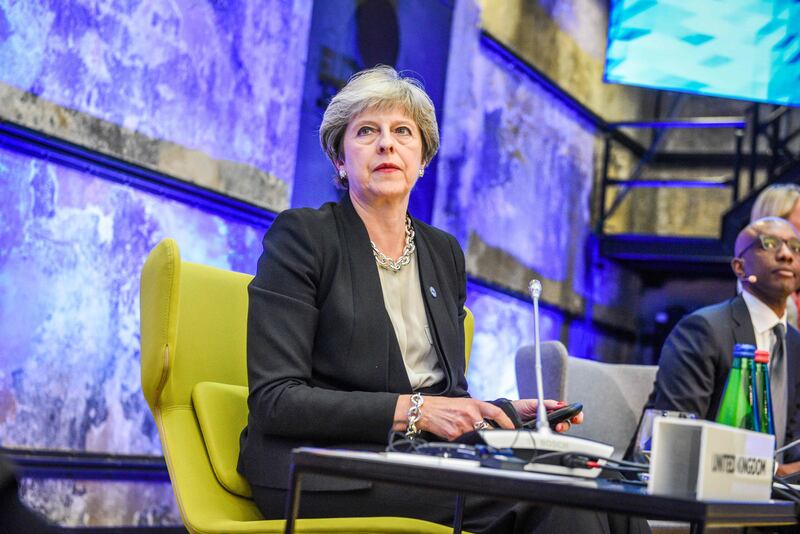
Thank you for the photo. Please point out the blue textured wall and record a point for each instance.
(514, 177)
(102, 503)
(224, 78)
(517, 169)
(503, 325)
(71, 250)
(516, 172)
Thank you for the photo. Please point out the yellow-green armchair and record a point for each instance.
(194, 377)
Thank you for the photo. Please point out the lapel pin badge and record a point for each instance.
(433, 291)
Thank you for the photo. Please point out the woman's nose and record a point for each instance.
(385, 143)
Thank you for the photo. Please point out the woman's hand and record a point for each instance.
(449, 417)
(526, 408)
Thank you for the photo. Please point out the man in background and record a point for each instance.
(697, 355)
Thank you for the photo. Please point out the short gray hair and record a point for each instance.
(776, 201)
(380, 87)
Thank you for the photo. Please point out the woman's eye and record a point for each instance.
(364, 130)
(404, 130)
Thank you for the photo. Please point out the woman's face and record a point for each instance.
(382, 155)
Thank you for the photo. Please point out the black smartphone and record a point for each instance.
(558, 416)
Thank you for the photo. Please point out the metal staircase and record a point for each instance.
(772, 135)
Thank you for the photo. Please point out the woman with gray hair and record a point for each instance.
(356, 326)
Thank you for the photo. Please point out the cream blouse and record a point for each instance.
(402, 296)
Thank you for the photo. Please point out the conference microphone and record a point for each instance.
(542, 425)
(556, 451)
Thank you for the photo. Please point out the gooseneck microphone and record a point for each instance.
(542, 425)
(543, 442)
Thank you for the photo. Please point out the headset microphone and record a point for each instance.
(752, 279)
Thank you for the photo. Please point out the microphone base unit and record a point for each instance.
(529, 446)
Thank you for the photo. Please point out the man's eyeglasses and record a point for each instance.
(771, 242)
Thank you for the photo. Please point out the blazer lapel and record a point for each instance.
(742, 324)
(371, 319)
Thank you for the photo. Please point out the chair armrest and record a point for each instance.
(222, 413)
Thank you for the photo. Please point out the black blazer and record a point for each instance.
(324, 365)
(697, 357)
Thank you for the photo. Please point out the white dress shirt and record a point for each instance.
(764, 320)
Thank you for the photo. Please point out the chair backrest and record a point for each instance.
(554, 365)
(193, 331)
(193, 326)
(469, 331)
(613, 396)
(194, 378)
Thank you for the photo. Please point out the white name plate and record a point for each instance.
(709, 461)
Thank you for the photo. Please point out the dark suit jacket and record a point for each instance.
(324, 366)
(697, 357)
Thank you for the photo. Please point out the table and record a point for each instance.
(460, 477)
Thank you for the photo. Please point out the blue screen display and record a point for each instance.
(745, 49)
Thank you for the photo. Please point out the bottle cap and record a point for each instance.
(762, 356)
(741, 350)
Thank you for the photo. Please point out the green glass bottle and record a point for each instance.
(736, 408)
(763, 397)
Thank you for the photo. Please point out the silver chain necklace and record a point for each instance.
(385, 262)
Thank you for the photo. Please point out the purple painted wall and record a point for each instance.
(514, 177)
(72, 247)
(516, 171)
(224, 78)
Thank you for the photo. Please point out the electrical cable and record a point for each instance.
(644, 467)
(398, 442)
(787, 447)
(549, 455)
(795, 494)
(580, 460)
(622, 468)
(787, 495)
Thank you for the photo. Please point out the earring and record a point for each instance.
(342, 173)
(421, 172)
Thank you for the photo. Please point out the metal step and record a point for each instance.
(697, 257)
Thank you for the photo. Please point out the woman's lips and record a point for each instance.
(386, 167)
